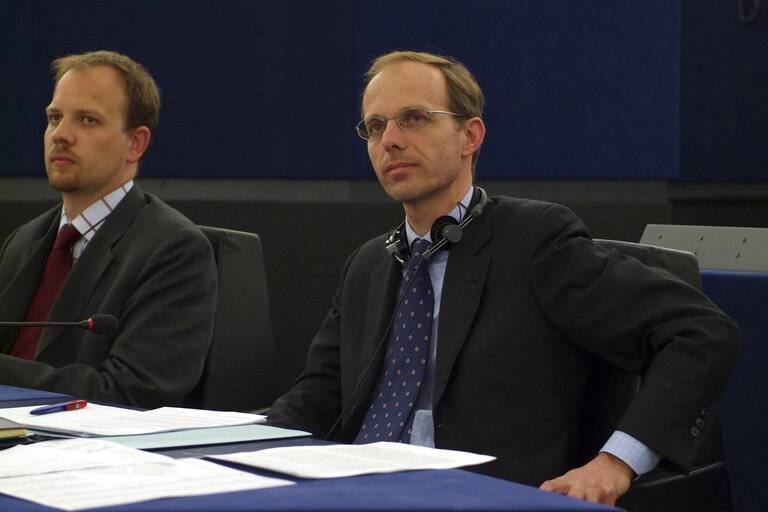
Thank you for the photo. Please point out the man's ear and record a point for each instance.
(139, 142)
(474, 131)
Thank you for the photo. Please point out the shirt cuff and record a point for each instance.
(636, 455)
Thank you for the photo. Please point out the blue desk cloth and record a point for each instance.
(439, 490)
(12, 396)
(744, 409)
(442, 490)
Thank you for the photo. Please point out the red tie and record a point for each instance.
(56, 270)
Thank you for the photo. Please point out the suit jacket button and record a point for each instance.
(695, 432)
(704, 413)
(699, 422)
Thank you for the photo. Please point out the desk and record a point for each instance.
(417, 490)
(11, 396)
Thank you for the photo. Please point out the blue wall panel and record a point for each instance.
(254, 88)
(724, 91)
(573, 89)
(242, 81)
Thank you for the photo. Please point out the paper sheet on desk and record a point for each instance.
(206, 436)
(104, 420)
(70, 454)
(342, 460)
(124, 476)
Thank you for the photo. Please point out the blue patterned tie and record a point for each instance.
(390, 415)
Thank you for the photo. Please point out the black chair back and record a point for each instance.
(611, 389)
(242, 369)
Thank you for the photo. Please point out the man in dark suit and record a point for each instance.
(522, 302)
(134, 257)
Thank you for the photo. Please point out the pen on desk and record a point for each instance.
(67, 406)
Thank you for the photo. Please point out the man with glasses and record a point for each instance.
(486, 347)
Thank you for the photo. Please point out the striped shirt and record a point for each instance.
(88, 222)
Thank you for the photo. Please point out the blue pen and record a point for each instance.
(67, 406)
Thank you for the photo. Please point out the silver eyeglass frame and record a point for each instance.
(361, 130)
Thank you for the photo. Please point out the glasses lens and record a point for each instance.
(413, 118)
(374, 127)
(362, 130)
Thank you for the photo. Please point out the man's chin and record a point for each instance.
(405, 192)
(62, 184)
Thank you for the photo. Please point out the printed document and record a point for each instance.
(69, 476)
(69, 454)
(103, 420)
(342, 460)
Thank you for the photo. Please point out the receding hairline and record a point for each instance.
(436, 71)
(89, 68)
(116, 75)
(456, 75)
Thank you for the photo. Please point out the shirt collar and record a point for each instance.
(88, 222)
(457, 213)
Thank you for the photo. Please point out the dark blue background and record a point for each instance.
(575, 89)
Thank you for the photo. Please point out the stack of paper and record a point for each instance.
(102, 420)
(10, 429)
(75, 474)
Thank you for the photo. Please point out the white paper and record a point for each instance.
(115, 485)
(336, 461)
(71, 454)
(104, 420)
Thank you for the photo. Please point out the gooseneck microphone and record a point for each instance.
(102, 324)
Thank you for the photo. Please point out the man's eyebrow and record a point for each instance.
(401, 109)
(79, 112)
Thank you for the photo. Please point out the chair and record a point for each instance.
(707, 486)
(241, 371)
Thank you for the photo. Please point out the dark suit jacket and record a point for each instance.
(528, 299)
(150, 267)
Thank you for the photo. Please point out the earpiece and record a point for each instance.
(446, 227)
(397, 246)
(445, 231)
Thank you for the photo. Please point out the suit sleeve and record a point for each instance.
(641, 319)
(314, 402)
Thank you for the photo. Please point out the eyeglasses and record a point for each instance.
(372, 128)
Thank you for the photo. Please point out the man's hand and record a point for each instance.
(601, 480)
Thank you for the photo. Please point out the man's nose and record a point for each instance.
(62, 132)
(393, 136)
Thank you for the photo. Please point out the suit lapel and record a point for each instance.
(379, 307)
(357, 381)
(78, 289)
(465, 277)
(15, 298)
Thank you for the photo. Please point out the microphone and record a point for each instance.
(102, 324)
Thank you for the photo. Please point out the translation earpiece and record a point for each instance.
(445, 231)
(446, 227)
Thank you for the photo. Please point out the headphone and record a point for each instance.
(445, 232)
